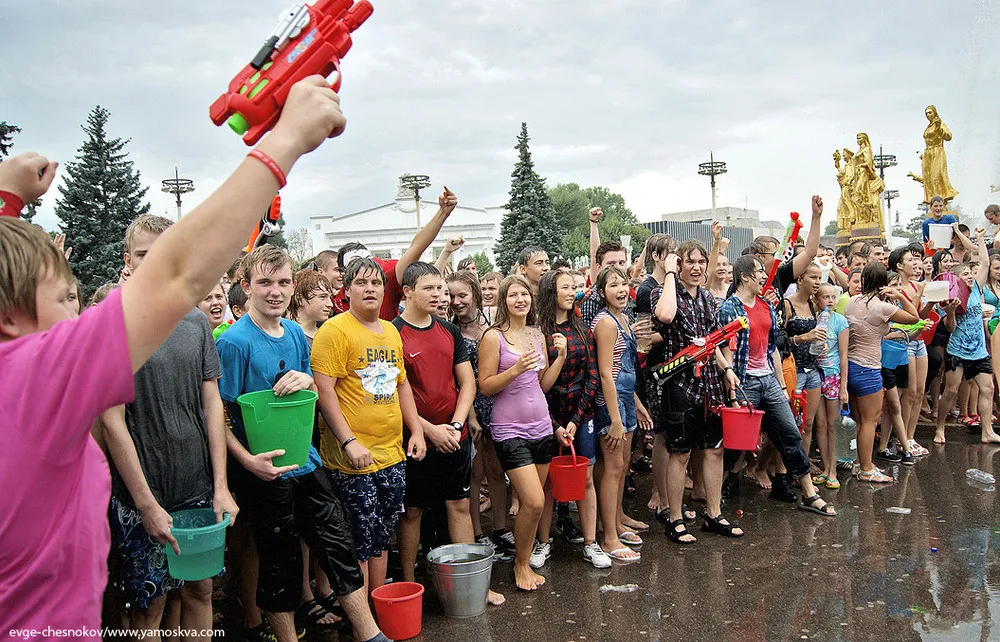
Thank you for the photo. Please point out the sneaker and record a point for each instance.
(888, 455)
(540, 554)
(503, 541)
(564, 527)
(594, 554)
(907, 459)
(260, 633)
(485, 540)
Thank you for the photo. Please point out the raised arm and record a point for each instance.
(595, 241)
(983, 273)
(443, 263)
(802, 261)
(666, 306)
(186, 261)
(713, 255)
(426, 235)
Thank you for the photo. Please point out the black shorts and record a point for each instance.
(898, 377)
(970, 368)
(439, 476)
(653, 391)
(289, 509)
(686, 424)
(517, 453)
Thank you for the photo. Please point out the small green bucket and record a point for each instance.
(202, 542)
(280, 423)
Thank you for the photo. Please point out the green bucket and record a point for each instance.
(280, 423)
(202, 542)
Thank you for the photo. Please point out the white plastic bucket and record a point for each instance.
(940, 235)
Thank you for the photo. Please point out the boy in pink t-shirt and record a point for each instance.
(59, 371)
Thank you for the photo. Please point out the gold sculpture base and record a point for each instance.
(869, 234)
(843, 238)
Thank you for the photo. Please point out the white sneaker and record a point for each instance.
(540, 554)
(594, 554)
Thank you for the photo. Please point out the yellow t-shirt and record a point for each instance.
(368, 368)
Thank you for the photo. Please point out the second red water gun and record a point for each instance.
(267, 226)
(797, 401)
(701, 350)
(309, 40)
(787, 249)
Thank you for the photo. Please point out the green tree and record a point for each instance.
(483, 264)
(101, 193)
(831, 229)
(572, 204)
(530, 219)
(278, 240)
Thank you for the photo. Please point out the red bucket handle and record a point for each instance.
(572, 451)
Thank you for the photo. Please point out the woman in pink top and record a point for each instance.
(513, 367)
(868, 315)
(59, 372)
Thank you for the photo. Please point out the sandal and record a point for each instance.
(832, 484)
(663, 516)
(624, 555)
(719, 525)
(809, 504)
(630, 538)
(675, 535)
(874, 476)
(312, 613)
(819, 480)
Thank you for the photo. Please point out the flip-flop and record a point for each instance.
(637, 541)
(617, 554)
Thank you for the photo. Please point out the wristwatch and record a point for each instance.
(457, 425)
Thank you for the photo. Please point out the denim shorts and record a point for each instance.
(916, 348)
(807, 380)
(863, 381)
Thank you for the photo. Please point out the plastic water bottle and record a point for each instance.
(980, 476)
(845, 438)
(822, 321)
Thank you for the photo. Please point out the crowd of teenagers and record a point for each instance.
(440, 393)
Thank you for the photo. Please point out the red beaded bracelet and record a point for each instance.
(271, 165)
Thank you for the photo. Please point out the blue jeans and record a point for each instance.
(778, 424)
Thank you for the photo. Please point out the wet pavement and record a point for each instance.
(867, 574)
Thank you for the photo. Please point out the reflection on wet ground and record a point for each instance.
(866, 575)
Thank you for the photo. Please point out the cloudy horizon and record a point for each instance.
(628, 95)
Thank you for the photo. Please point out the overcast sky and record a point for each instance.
(627, 94)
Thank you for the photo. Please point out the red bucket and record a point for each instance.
(399, 608)
(741, 427)
(568, 474)
(928, 334)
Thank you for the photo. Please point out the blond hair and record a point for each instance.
(27, 255)
(265, 259)
(145, 223)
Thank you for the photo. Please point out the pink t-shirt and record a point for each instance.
(54, 536)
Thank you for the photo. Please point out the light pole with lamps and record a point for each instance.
(888, 195)
(712, 169)
(415, 182)
(177, 186)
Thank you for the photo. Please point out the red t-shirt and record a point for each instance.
(430, 355)
(760, 327)
(390, 300)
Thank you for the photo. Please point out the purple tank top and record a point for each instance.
(520, 409)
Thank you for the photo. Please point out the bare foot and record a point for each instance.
(633, 524)
(514, 507)
(654, 502)
(762, 478)
(991, 438)
(495, 599)
(939, 437)
(526, 579)
(688, 483)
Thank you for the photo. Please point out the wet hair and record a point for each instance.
(841, 252)
(306, 282)
(490, 276)
(602, 281)
(874, 277)
(744, 268)
(527, 253)
(27, 255)
(896, 257)
(858, 255)
(466, 262)
(102, 293)
(548, 307)
(936, 262)
(362, 266)
(560, 264)
(609, 246)
(324, 258)
(145, 223)
(236, 298)
(234, 269)
(659, 244)
(502, 320)
(964, 229)
(414, 271)
(688, 247)
(470, 280)
(811, 265)
(958, 268)
(762, 245)
(936, 199)
(269, 258)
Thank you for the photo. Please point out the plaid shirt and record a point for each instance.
(731, 309)
(695, 318)
(572, 396)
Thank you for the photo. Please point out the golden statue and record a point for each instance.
(846, 214)
(868, 186)
(934, 163)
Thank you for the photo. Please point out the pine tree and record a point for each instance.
(99, 197)
(530, 219)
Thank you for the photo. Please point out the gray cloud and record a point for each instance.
(627, 94)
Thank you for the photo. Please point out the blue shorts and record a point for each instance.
(808, 380)
(916, 349)
(585, 442)
(373, 502)
(862, 381)
(626, 410)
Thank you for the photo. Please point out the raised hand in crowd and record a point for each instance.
(447, 202)
(27, 176)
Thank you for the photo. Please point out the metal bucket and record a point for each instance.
(462, 577)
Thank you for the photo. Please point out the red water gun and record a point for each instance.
(797, 401)
(787, 249)
(701, 350)
(267, 226)
(309, 40)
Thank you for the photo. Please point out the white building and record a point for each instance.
(388, 229)
(730, 217)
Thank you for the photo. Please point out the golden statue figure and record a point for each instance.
(934, 163)
(868, 187)
(846, 213)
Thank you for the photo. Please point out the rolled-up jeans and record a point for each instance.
(778, 424)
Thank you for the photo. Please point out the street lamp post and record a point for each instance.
(888, 195)
(882, 161)
(712, 169)
(415, 182)
(177, 186)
